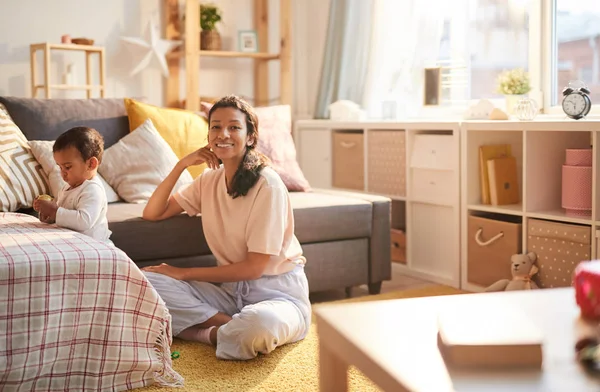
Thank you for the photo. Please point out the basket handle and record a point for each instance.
(348, 144)
(480, 241)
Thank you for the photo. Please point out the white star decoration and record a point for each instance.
(156, 47)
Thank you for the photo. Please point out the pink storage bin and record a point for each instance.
(577, 190)
(578, 157)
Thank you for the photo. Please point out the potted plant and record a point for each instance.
(514, 84)
(210, 15)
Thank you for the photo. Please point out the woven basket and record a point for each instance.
(210, 40)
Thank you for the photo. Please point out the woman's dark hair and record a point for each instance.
(248, 171)
(86, 140)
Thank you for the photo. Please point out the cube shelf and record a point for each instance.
(540, 149)
(416, 164)
(435, 182)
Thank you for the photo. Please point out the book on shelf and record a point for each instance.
(487, 152)
(503, 180)
(495, 336)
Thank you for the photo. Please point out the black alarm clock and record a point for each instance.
(576, 102)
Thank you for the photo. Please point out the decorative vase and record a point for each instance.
(511, 102)
(210, 40)
(526, 109)
(577, 182)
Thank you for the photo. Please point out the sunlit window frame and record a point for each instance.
(542, 56)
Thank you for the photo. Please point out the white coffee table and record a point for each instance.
(393, 343)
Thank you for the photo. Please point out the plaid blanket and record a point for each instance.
(76, 314)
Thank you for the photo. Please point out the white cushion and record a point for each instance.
(138, 163)
(42, 151)
(22, 178)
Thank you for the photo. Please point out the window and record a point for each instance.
(576, 51)
(498, 38)
(472, 40)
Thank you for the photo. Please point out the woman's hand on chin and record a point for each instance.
(200, 156)
(166, 269)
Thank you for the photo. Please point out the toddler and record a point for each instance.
(81, 204)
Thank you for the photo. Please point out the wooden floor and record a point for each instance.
(399, 282)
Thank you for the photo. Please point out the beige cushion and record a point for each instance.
(22, 178)
(42, 151)
(138, 163)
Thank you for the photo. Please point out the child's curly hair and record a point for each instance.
(87, 141)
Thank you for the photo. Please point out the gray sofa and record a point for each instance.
(345, 236)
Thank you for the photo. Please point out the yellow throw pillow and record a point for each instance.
(184, 131)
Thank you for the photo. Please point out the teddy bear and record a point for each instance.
(522, 269)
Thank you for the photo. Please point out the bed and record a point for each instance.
(76, 314)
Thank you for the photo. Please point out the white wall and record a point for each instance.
(23, 22)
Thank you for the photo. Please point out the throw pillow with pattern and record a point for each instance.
(22, 178)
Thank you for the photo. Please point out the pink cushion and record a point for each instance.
(276, 142)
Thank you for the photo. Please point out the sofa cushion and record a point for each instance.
(137, 164)
(276, 142)
(22, 178)
(142, 240)
(318, 218)
(46, 119)
(321, 217)
(184, 131)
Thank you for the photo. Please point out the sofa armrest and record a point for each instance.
(380, 263)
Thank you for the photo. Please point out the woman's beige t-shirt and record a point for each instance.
(260, 222)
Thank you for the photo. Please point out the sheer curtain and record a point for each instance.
(406, 37)
(346, 54)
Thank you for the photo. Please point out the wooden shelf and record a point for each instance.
(46, 48)
(71, 87)
(82, 48)
(176, 29)
(558, 215)
(510, 209)
(230, 54)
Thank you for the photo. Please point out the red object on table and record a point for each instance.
(586, 279)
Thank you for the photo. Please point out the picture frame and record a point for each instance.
(248, 41)
(432, 86)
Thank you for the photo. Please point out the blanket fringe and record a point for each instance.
(166, 376)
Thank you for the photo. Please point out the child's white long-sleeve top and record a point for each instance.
(83, 209)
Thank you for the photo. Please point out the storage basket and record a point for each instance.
(559, 248)
(493, 239)
(387, 163)
(348, 160)
(398, 246)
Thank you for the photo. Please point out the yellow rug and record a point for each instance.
(293, 367)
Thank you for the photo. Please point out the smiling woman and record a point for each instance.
(233, 136)
(249, 226)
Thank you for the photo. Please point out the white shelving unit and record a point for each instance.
(539, 147)
(430, 168)
(437, 217)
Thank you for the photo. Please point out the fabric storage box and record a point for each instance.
(433, 151)
(386, 153)
(559, 248)
(492, 240)
(433, 164)
(398, 246)
(348, 160)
